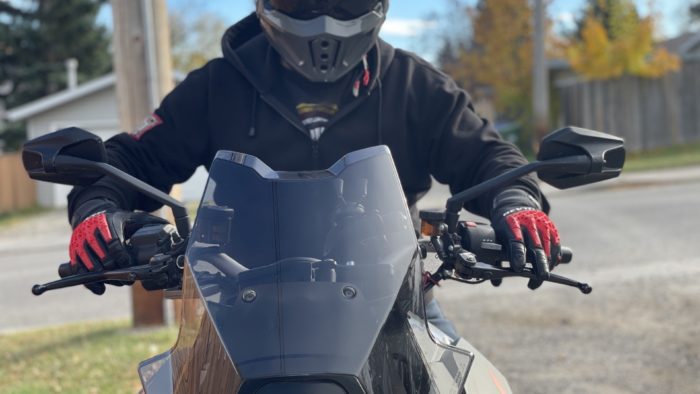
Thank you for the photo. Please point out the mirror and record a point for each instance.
(39, 156)
(605, 152)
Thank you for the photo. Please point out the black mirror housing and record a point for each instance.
(39, 156)
(606, 153)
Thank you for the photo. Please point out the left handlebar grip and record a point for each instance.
(64, 270)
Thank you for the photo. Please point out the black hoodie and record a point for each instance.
(236, 103)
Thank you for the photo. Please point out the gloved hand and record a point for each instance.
(524, 230)
(97, 242)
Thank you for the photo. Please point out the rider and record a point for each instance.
(302, 83)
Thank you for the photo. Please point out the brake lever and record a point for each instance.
(490, 272)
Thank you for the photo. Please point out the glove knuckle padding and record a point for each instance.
(98, 241)
(84, 238)
(533, 228)
(514, 226)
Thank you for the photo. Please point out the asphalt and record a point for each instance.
(634, 240)
(31, 249)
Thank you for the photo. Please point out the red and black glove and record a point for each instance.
(97, 242)
(525, 231)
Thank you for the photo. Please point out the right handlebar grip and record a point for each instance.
(64, 270)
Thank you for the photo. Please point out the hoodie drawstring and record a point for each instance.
(363, 80)
(380, 131)
(380, 116)
(253, 132)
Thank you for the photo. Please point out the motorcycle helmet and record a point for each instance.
(323, 40)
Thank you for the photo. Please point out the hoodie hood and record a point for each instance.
(245, 46)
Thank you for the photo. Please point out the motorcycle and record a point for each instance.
(315, 282)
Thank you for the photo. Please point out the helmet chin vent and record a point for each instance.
(325, 53)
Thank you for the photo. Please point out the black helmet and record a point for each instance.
(322, 39)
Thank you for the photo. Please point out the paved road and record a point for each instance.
(635, 242)
(638, 332)
(29, 254)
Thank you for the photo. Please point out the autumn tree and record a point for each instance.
(499, 56)
(614, 40)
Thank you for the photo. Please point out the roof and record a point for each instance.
(58, 99)
(682, 45)
(66, 96)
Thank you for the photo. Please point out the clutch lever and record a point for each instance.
(128, 275)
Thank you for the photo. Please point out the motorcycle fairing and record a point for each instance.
(311, 278)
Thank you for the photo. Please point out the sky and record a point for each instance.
(409, 22)
(409, 25)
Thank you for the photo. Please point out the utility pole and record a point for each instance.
(144, 76)
(540, 77)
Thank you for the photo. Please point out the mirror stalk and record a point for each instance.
(73, 164)
(574, 164)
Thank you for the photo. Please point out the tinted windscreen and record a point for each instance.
(357, 216)
(301, 270)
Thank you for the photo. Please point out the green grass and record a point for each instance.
(677, 156)
(85, 358)
(10, 218)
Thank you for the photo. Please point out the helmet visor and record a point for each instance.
(338, 9)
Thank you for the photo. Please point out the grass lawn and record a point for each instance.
(82, 358)
(677, 156)
(9, 218)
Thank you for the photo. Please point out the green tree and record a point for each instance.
(36, 40)
(695, 12)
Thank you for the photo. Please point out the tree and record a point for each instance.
(36, 40)
(616, 17)
(195, 40)
(499, 57)
(695, 12)
(614, 40)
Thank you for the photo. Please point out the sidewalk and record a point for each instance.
(663, 177)
(41, 231)
(30, 251)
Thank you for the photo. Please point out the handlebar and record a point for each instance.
(480, 239)
(155, 251)
(479, 258)
(64, 270)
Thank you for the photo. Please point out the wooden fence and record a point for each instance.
(648, 113)
(17, 191)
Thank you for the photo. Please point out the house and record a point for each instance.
(686, 46)
(92, 106)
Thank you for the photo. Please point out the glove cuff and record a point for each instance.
(513, 200)
(89, 208)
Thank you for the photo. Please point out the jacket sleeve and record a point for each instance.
(460, 148)
(164, 151)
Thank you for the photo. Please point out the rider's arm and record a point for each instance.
(165, 151)
(462, 150)
(459, 147)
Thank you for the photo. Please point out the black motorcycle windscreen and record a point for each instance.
(300, 273)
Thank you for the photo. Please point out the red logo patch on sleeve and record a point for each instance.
(151, 122)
